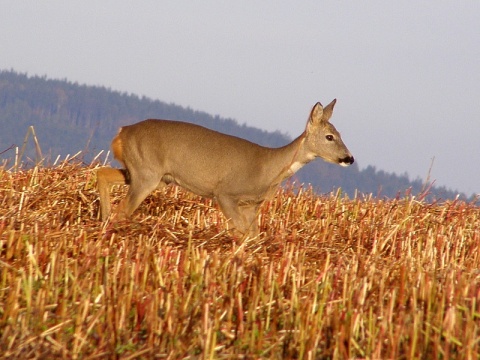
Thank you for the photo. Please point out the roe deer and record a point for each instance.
(239, 174)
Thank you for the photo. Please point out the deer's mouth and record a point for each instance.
(346, 161)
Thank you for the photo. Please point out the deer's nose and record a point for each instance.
(347, 160)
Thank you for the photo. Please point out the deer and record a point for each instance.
(240, 175)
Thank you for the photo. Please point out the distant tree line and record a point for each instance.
(69, 117)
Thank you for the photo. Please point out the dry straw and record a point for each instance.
(330, 277)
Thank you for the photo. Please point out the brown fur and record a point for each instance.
(239, 174)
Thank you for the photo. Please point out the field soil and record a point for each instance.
(329, 277)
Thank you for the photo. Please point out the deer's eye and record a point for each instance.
(329, 137)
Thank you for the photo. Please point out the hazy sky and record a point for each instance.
(406, 74)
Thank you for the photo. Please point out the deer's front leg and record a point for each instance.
(250, 218)
(243, 216)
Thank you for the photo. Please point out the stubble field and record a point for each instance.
(329, 278)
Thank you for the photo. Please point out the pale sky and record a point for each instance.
(406, 74)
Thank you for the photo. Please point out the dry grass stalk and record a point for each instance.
(331, 277)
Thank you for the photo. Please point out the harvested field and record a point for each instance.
(329, 278)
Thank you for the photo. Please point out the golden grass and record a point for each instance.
(330, 277)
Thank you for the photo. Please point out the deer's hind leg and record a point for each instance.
(106, 177)
(140, 188)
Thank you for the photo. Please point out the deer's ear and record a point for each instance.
(328, 110)
(316, 114)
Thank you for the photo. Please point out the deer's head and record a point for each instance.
(323, 140)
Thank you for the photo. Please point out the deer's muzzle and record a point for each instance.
(348, 160)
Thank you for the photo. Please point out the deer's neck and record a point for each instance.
(290, 158)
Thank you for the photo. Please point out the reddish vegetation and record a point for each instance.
(330, 277)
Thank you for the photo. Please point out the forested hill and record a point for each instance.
(69, 117)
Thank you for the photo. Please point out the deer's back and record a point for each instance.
(166, 136)
(194, 156)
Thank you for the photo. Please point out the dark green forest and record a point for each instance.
(69, 117)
